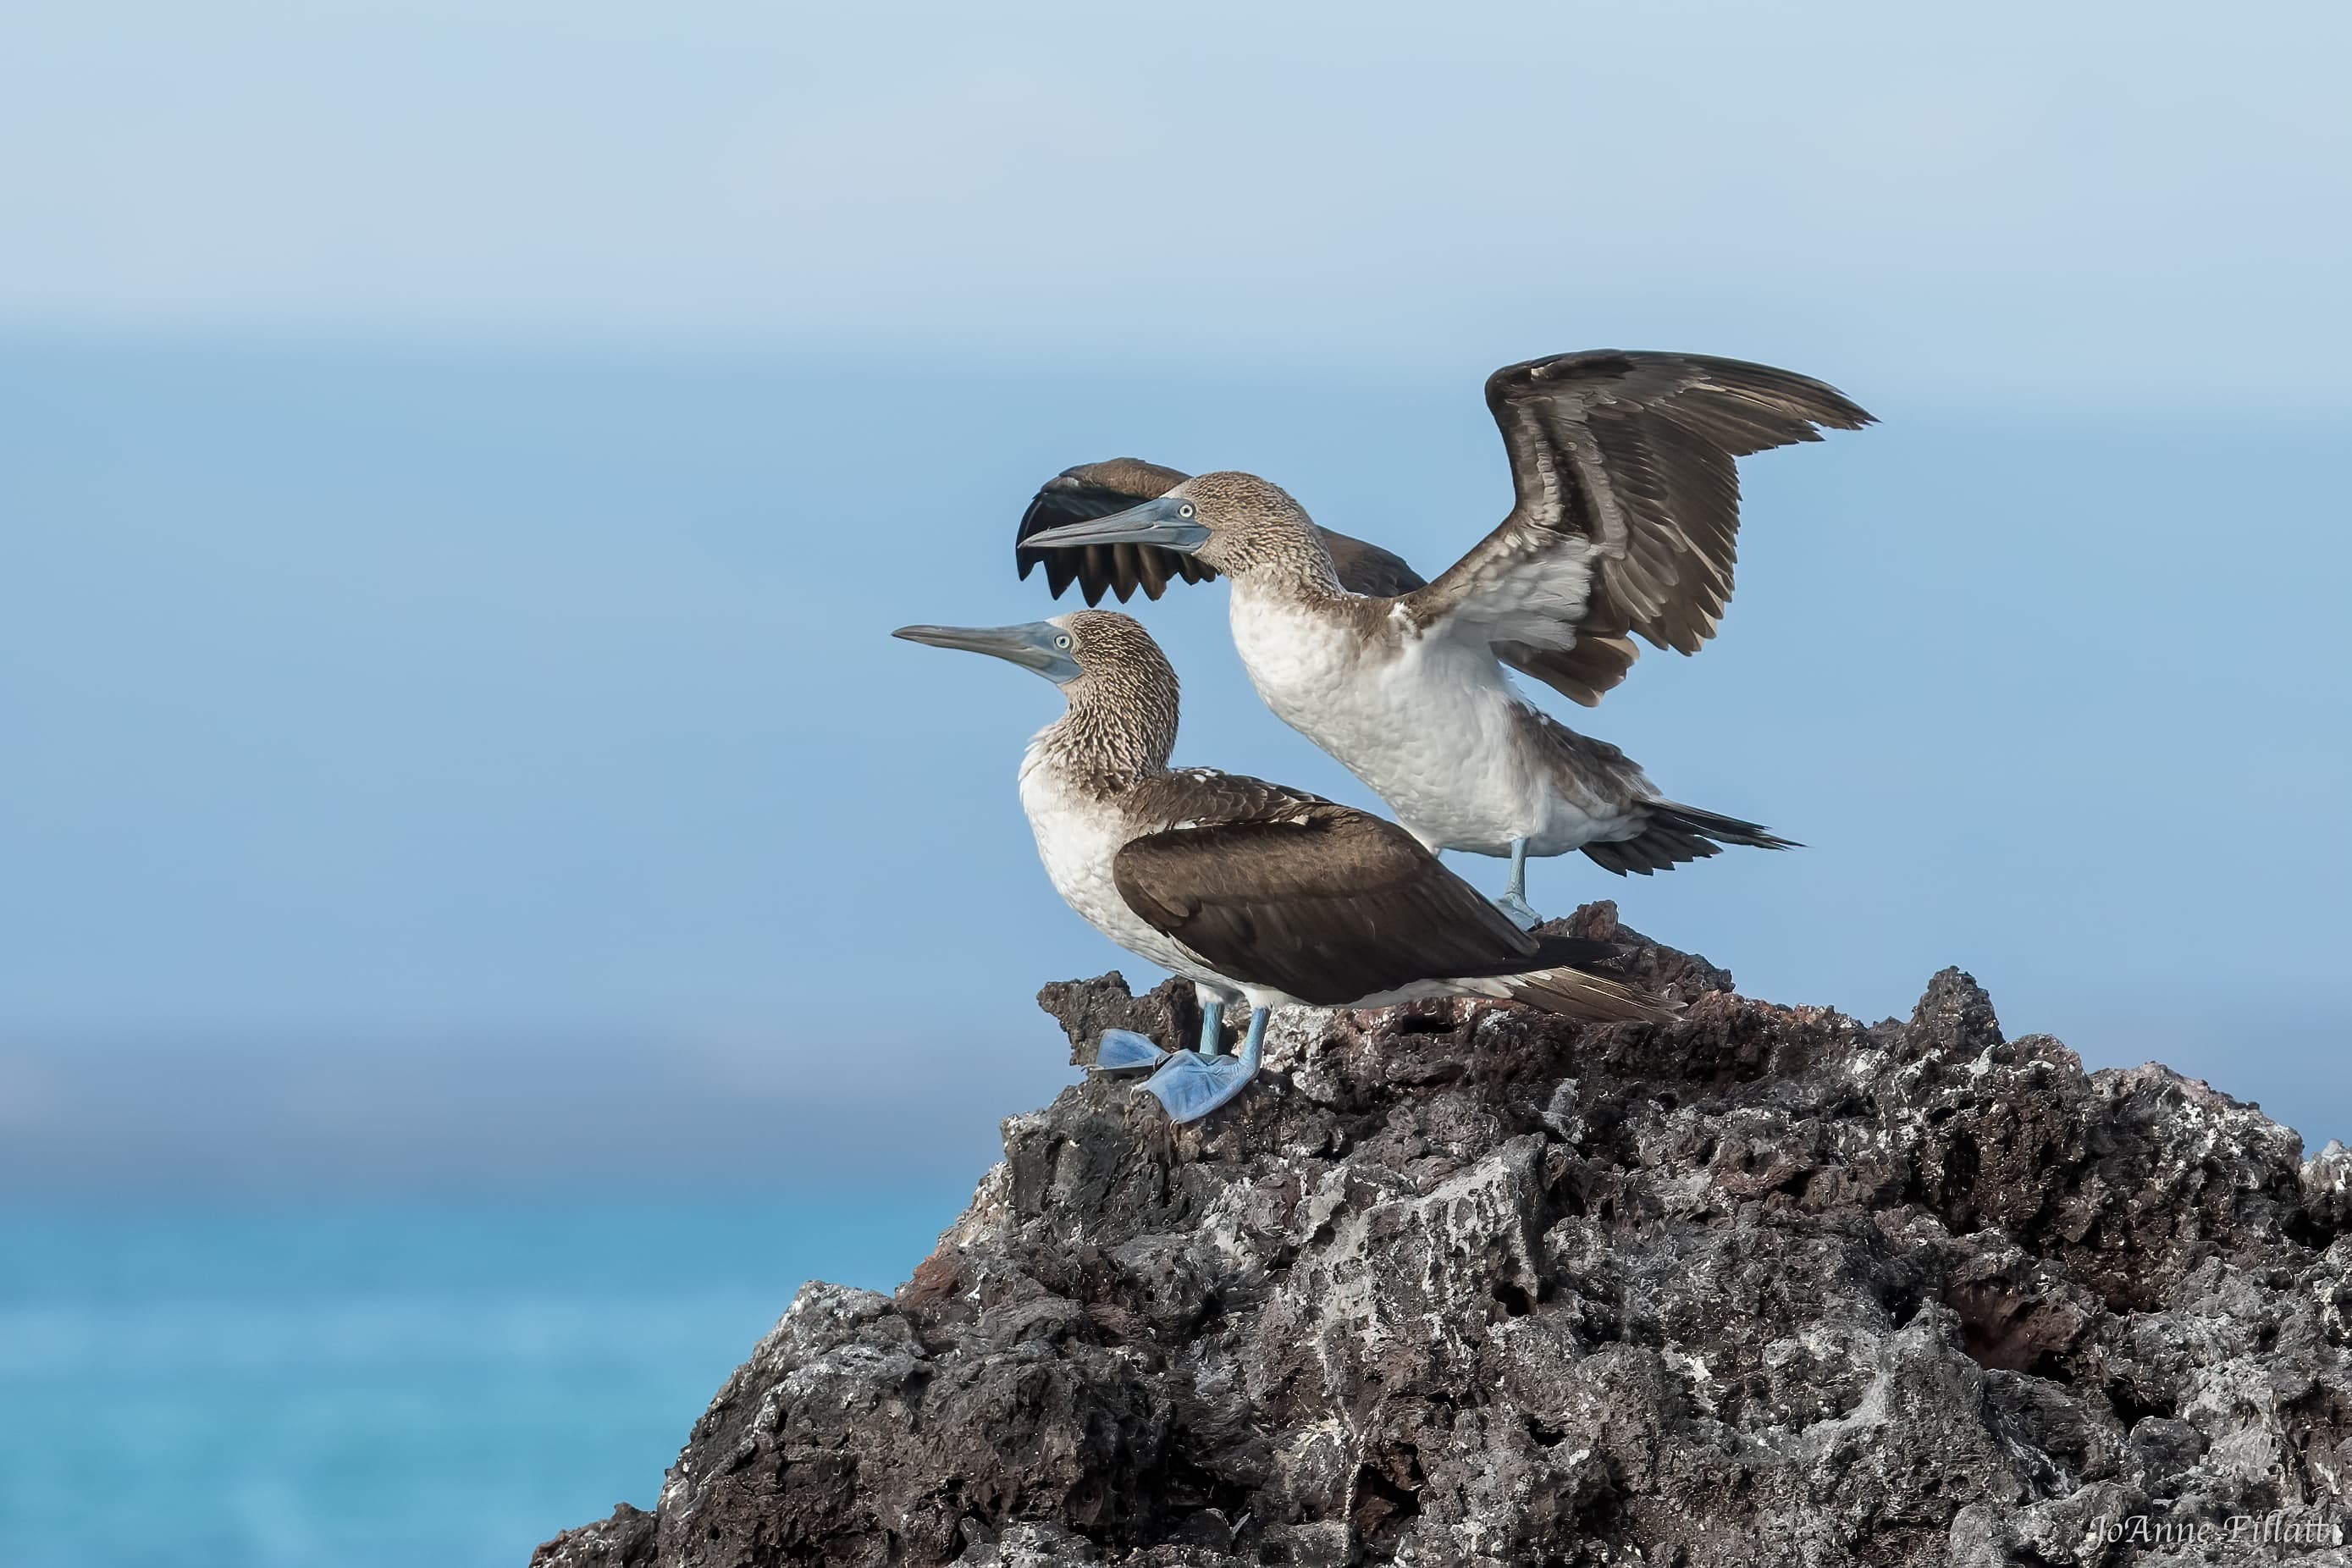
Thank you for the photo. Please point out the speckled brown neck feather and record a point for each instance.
(1121, 723)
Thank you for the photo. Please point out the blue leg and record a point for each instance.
(1195, 1083)
(1514, 902)
(1213, 1024)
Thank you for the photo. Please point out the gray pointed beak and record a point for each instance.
(1040, 645)
(1167, 522)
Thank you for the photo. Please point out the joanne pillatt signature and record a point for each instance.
(2280, 1527)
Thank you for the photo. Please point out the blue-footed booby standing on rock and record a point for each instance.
(1627, 509)
(1253, 892)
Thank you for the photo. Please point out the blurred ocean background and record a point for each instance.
(383, 1383)
(486, 909)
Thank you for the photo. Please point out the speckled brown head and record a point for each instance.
(1252, 524)
(1121, 690)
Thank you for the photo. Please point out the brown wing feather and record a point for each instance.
(1367, 569)
(1323, 902)
(1098, 489)
(1627, 510)
(1582, 673)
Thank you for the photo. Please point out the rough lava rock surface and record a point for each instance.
(1460, 1284)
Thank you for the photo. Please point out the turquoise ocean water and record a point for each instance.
(382, 1383)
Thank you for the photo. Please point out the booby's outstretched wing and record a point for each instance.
(1628, 506)
(1275, 888)
(1098, 489)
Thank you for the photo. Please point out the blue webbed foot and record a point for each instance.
(1518, 911)
(1122, 1050)
(1193, 1083)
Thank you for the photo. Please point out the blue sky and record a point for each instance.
(469, 459)
(2018, 201)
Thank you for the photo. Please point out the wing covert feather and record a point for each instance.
(1316, 899)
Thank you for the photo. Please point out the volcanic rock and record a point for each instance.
(1457, 1283)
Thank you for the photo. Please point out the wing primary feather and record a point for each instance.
(1098, 489)
(1627, 505)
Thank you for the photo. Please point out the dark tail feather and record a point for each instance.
(1552, 979)
(1678, 833)
(1579, 994)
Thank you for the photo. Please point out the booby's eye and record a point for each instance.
(1184, 510)
(1062, 641)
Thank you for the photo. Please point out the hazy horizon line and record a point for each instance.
(2108, 403)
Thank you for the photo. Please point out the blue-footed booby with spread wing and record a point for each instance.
(1627, 509)
(1253, 892)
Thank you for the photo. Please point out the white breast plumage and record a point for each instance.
(1430, 723)
(1078, 834)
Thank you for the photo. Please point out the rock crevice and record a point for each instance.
(1458, 1283)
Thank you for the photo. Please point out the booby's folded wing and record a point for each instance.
(1318, 901)
(1627, 506)
(1098, 489)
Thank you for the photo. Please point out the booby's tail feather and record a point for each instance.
(1552, 978)
(1674, 833)
(1576, 995)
